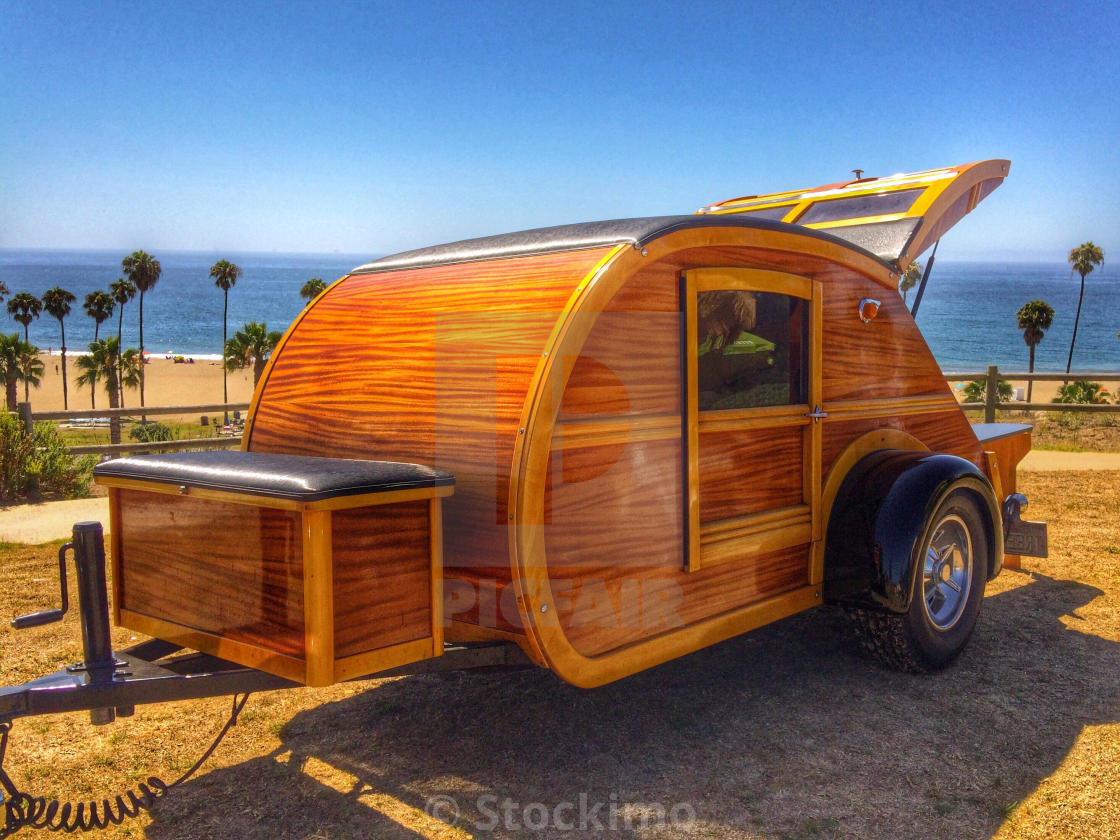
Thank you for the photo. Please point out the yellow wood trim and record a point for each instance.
(115, 543)
(889, 407)
(435, 537)
(546, 641)
(857, 220)
(814, 437)
(752, 545)
(738, 419)
(250, 655)
(750, 280)
(691, 418)
(337, 503)
(382, 659)
(991, 462)
(751, 522)
(616, 431)
(318, 597)
(388, 497)
(863, 445)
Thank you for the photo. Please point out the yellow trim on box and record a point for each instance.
(249, 655)
(371, 661)
(386, 497)
(318, 597)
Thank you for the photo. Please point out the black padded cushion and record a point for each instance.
(636, 232)
(297, 477)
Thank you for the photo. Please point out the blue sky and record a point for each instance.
(369, 128)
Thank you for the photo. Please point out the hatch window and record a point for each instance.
(860, 206)
(774, 213)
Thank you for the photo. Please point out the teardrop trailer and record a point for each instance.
(590, 448)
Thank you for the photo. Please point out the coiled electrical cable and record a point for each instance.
(21, 810)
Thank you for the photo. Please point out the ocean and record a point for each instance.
(967, 315)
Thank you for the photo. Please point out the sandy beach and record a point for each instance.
(165, 383)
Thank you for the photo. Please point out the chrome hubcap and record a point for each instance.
(947, 575)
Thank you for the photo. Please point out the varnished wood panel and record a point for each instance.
(744, 472)
(630, 363)
(604, 607)
(382, 580)
(887, 357)
(614, 546)
(627, 514)
(945, 431)
(246, 585)
(428, 366)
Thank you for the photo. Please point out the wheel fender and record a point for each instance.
(879, 519)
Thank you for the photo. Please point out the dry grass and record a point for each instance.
(783, 733)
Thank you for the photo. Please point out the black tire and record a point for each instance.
(943, 610)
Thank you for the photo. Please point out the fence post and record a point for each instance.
(991, 394)
(25, 416)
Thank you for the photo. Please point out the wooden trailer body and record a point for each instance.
(648, 420)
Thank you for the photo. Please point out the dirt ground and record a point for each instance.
(787, 732)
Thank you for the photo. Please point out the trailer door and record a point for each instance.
(751, 409)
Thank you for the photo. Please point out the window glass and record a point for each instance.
(877, 204)
(752, 349)
(774, 213)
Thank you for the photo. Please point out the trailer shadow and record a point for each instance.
(783, 732)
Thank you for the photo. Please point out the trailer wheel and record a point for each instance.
(948, 589)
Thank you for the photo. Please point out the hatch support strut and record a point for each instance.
(925, 277)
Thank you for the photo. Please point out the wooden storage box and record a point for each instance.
(314, 569)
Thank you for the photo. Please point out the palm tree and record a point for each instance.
(1082, 259)
(4, 290)
(122, 291)
(910, 279)
(251, 345)
(143, 270)
(99, 306)
(11, 350)
(30, 368)
(25, 307)
(102, 363)
(1035, 319)
(312, 289)
(57, 303)
(225, 276)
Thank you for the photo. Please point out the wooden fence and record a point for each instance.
(990, 406)
(993, 375)
(28, 416)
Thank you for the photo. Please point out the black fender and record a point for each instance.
(878, 522)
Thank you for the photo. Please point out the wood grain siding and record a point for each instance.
(248, 589)
(429, 366)
(604, 607)
(614, 548)
(381, 589)
(630, 363)
(944, 431)
(887, 357)
(626, 515)
(744, 472)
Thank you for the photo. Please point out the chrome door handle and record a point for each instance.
(816, 414)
